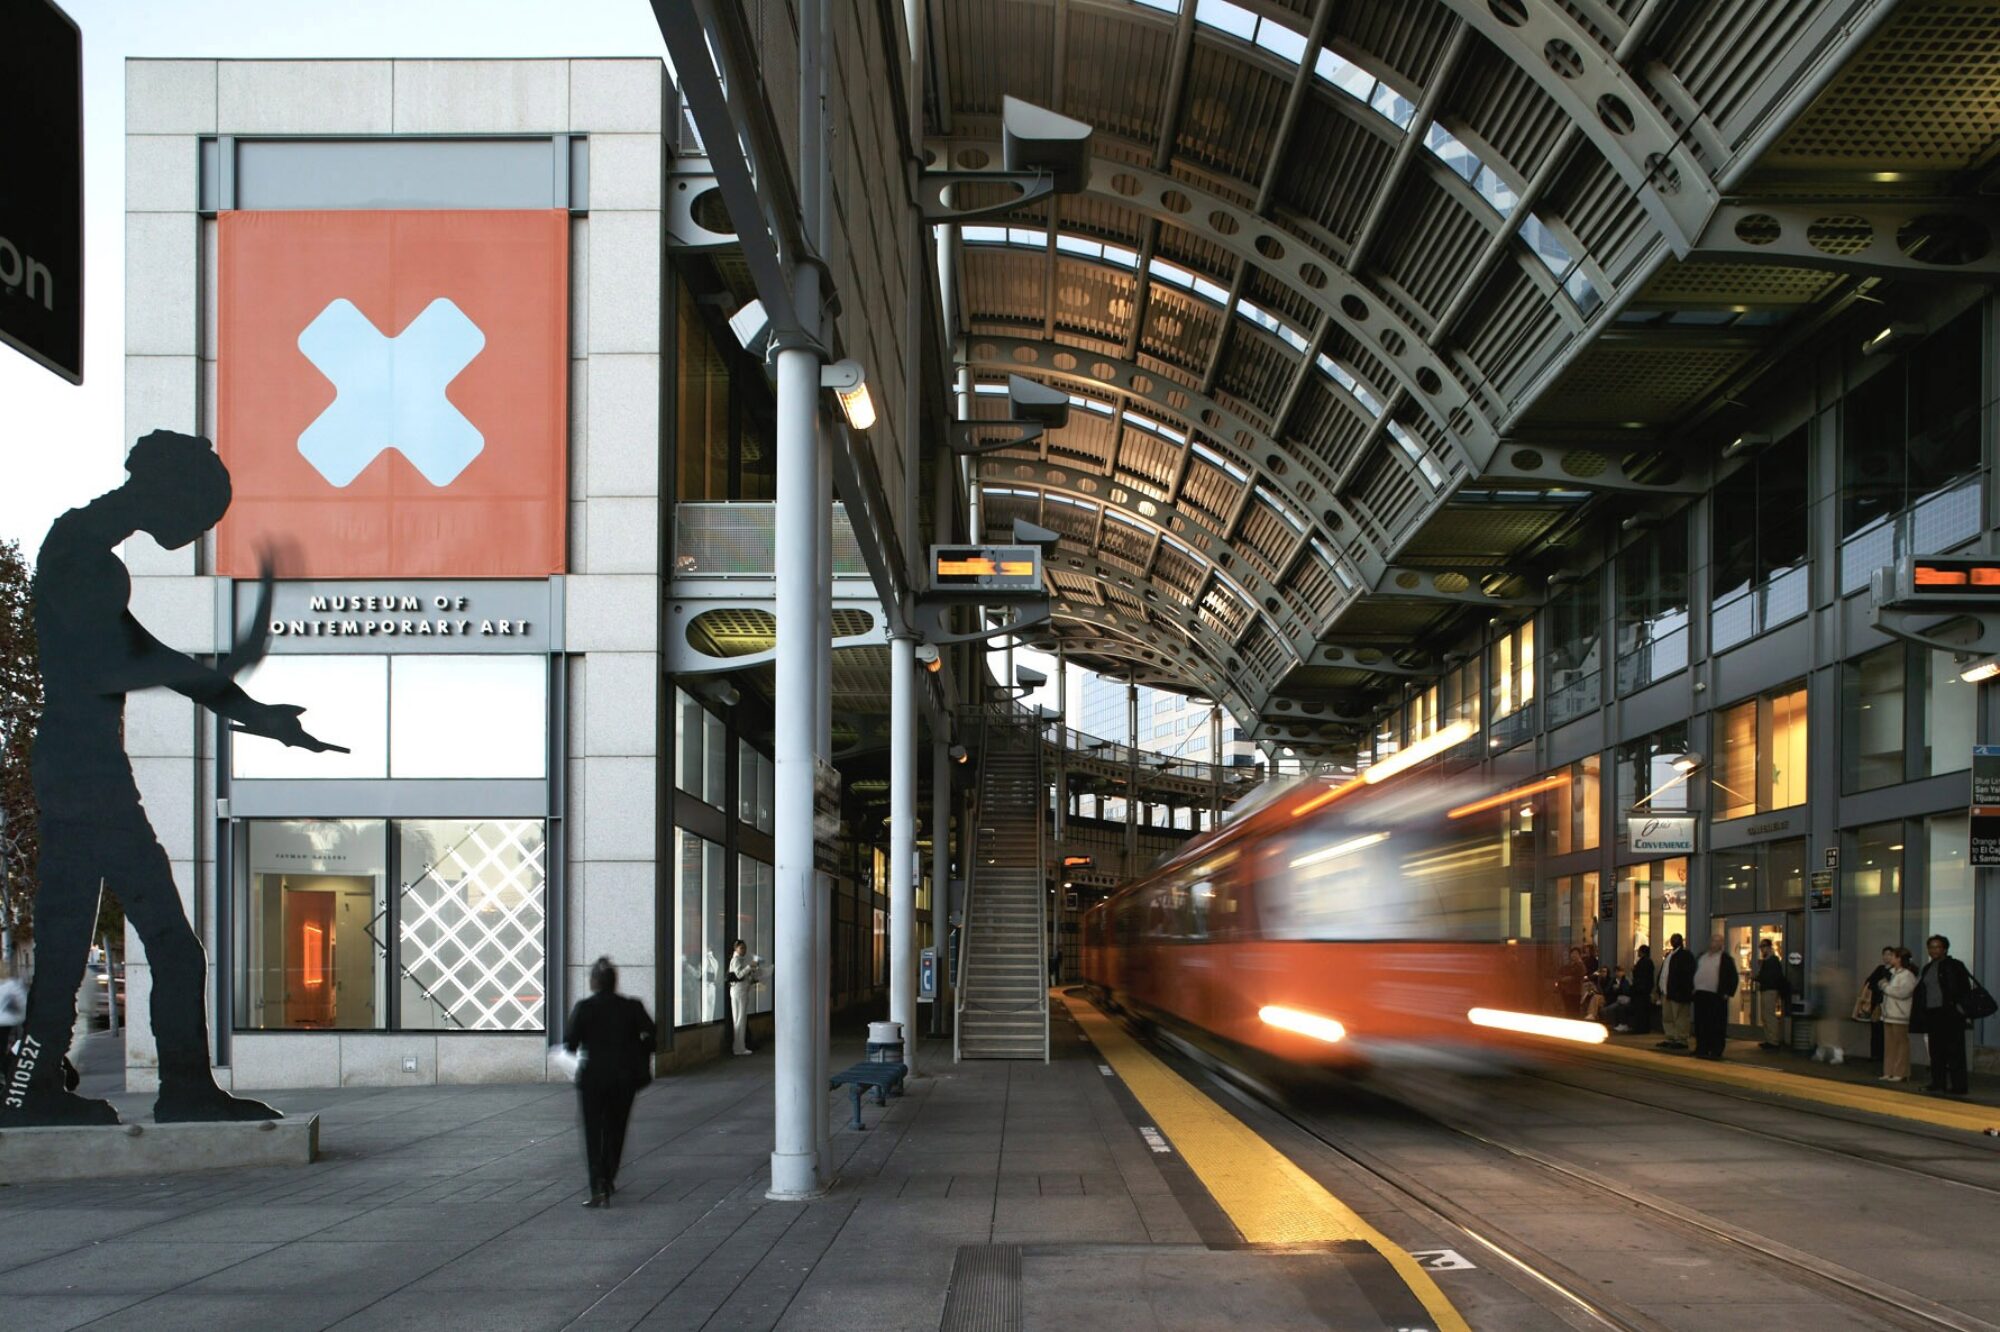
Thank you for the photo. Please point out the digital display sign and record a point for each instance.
(1006, 569)
(1948, 578)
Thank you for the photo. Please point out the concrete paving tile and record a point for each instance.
(1054, 1220)
(125, 1267)
(277, 1223)
(450, 1311)
(57, 1312)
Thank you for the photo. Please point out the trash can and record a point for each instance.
(1804, 1034)
(885, 1043)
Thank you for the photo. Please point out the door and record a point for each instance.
(309, 978)
(1744, 937)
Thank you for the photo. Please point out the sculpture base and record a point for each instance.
(112, 1151)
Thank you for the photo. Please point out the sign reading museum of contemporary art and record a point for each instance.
(445, 616)
(1985, 806)
(1655, 835)
(393, 392)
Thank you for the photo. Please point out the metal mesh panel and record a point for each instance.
(472, 924)
(740, 541)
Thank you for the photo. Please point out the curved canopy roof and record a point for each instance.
(1365, 304)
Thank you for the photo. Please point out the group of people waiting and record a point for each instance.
(1897, 999)
(1692, 993)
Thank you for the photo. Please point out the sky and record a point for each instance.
(60, 445)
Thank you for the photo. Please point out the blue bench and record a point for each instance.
(883, 1078)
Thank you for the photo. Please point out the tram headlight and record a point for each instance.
(1539, 1024)
(1304, 1023)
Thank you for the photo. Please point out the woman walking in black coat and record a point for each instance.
(613, 1035)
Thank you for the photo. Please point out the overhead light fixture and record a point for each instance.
(1743, 443)
(1033, 138)
(749, 325)
(931, 658)
(1889, 336)
(958, 754)
(1978, 671)
(850, 385)
(1029, 678)
(1639, 522)
(1687, 762)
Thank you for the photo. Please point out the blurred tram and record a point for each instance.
(1342, 923)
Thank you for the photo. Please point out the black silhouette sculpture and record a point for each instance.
(94, 830)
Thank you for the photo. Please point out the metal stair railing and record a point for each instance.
(1014, 727)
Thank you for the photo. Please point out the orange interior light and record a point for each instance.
(315, 956)
(1326, 797)
(1506, 797)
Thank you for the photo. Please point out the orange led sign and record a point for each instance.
(1015, 569)
(1973, 578)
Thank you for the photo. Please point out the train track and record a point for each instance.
(1534, 1270)
(1843, 1151)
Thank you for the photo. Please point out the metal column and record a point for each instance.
(824, 884)
(1131, 778)
(903, 842)
(940, 867)
(1215, 757)
(796, 997)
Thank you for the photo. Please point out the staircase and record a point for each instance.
(1003, 997)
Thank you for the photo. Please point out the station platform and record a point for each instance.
(992, 1194)
(1787, 1076)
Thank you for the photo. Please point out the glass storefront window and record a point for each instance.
(417, 716)
(1652, 907)
(1652, 576)
(311, 953)
(1948, 905)
(1648, 781)
(1513, 670)
(1463, 689)
(754, 925)
(701, 401)
(1576, 808)
(1767, 877)
(1735, 779)
(472, 912)
(698, 902)
(1576, 909)
(1872, 698)
(469, 716)
(1758, 560)
(701, 758)
(1950, 712)
(346, 699)
(1872, 879)
(1760, 763)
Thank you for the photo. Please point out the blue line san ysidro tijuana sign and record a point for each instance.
(1985, 807)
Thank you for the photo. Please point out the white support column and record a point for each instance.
(903, 842)
(824, 885)
(797, 996)
(1131, 778)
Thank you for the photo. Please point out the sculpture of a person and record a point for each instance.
(94, 830)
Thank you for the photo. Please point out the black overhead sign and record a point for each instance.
(1014, 570)
(41, 185)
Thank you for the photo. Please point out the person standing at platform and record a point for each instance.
(613, 1034)
(1868, 1005)
(1676, 994)
(1715, 981)
(1640, 1017)
(1774, 989)
(743, 978)
(1898, 991)
(1944, 982)
(1570, 978)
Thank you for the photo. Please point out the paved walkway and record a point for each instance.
(458, 1208)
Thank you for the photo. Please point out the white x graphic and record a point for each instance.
(390, 392)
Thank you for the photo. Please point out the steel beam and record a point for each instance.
(1951, 240)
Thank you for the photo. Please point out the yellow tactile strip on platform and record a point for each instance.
(1967, 1116)
(1267, 1198)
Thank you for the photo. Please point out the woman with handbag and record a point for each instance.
(1868, 1004)
(1898, 991)
(613, 1036)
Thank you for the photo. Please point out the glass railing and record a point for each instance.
(1658, 652)
(739, 540)
(1783, 596)
(1940, 520)
(1574, 697)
